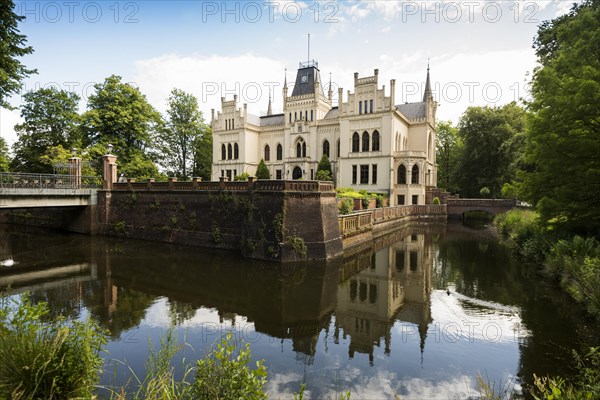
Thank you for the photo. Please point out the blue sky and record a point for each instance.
(479, 51)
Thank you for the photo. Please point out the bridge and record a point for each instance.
(458, 207)
(19, 190)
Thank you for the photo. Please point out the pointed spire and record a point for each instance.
(427, 94)
(285, 79)
(269, 111)
(330, 92)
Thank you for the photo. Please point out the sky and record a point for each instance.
(479, 52)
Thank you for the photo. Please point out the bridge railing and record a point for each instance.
(17, 180)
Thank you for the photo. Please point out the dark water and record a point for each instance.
(378, 323)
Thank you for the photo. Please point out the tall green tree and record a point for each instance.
(12, 46)
(562, 172)
(324, 169)
(262, 172)
(4, 157)
(184, 127)
(488, 152)
(448, 150)
(203, 154)
(50, 119)
(119, 114)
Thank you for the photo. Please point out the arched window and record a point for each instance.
(365, 141)
(415, 174)
(267, 153)
(223, 152)
(338, 148)
(311, 115)
(279, 151)
(303, 149)
(375, 141)
(298, 150)
(355, 142)
(229, 152)
(401, 175)
(326, 148)
(236, 151)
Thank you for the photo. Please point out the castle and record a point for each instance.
(371, 142)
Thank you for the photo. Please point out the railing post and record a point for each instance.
(75, 169)
(172, 180)
(109, 169)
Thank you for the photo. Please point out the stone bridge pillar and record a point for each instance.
(109, 170)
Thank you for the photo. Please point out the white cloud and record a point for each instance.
(8, 119)
(248, 76)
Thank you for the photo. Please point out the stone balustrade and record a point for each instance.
(197, 184)
(363, 221)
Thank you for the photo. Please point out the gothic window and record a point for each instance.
(298, 150)
(354, 174)
(360, 107)
(415, 174)
(311, 115)
(401, 175)
(326, 148)
(371, 105)
(223, 152)
(365, 141)
(303, 149)
(267, 153)
(290, 118)
(236, 151)
(338, 148)
(375, 141)
(279, 151)
(355, 142)
(229, 152)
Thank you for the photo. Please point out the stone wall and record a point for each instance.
(270, 220)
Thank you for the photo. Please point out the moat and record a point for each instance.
(420, 313)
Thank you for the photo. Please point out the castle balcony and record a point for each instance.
(410, 154)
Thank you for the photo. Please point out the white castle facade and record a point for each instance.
(371, 142)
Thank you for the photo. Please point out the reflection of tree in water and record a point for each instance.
(179, 311)
(118, 311)
(484, 270)
(64, 301)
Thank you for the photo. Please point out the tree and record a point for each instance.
(184, 127)
(448, 149)
(51, 119)
(119, 114)
(488, 152)
(324, 169)
(262, 172)
(4, 158)
(562, 172)
(203, 154)
(12, 46)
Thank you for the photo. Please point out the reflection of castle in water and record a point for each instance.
(367, 293)
(392, 284)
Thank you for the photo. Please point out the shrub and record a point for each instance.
(46, 360)
(262, 172)
(365, 202)
(241, 177)
(324, 169)
(436, 201)
(379, 201)
(225, 375)
(346, 206)
(484, 192)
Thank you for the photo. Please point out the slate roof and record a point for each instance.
(413, 110)
(270, 120)
(333, 113)
(308, 86)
